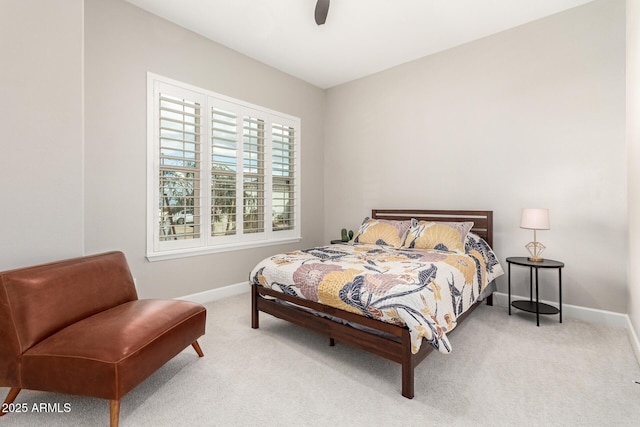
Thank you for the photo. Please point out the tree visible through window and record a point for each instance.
(179, 175)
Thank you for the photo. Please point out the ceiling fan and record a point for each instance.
(322, 8)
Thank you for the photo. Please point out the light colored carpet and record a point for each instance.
(504, 371)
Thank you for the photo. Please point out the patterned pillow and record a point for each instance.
(382, 232)
(443, 236)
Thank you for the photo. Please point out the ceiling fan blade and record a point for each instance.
(322, 9)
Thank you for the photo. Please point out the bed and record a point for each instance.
(403, 283)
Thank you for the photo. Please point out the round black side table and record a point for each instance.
(537, 306)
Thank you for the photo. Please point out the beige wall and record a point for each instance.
(41, 206)
(633, 161)
(122, 44)
(531, 117)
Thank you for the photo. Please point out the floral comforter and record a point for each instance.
(426, 290)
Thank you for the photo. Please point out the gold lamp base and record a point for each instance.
(535, 249)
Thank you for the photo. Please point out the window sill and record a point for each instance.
(185, 253)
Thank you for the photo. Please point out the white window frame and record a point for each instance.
(205, 243)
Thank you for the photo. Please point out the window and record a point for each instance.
(223, 174)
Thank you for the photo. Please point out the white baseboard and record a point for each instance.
(218, 293)
(633, 338)
(591, 315)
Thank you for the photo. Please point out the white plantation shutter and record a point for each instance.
(225, 174)
(224, 168)
(179, 168)
(253, 175)
(283, 167)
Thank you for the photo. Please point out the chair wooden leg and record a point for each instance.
(11, 396)
(197, 348)
(114, 412)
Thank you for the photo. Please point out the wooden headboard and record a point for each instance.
(482, 220)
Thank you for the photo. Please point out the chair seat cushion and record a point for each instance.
(108, 354)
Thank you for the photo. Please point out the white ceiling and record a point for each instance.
(360, 37)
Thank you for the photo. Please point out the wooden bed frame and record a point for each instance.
(395, 344)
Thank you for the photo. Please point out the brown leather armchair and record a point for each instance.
(78, 327)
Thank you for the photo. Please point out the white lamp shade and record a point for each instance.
(535, 219)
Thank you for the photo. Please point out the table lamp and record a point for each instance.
(535, 219)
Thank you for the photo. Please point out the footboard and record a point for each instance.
(389, 341)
